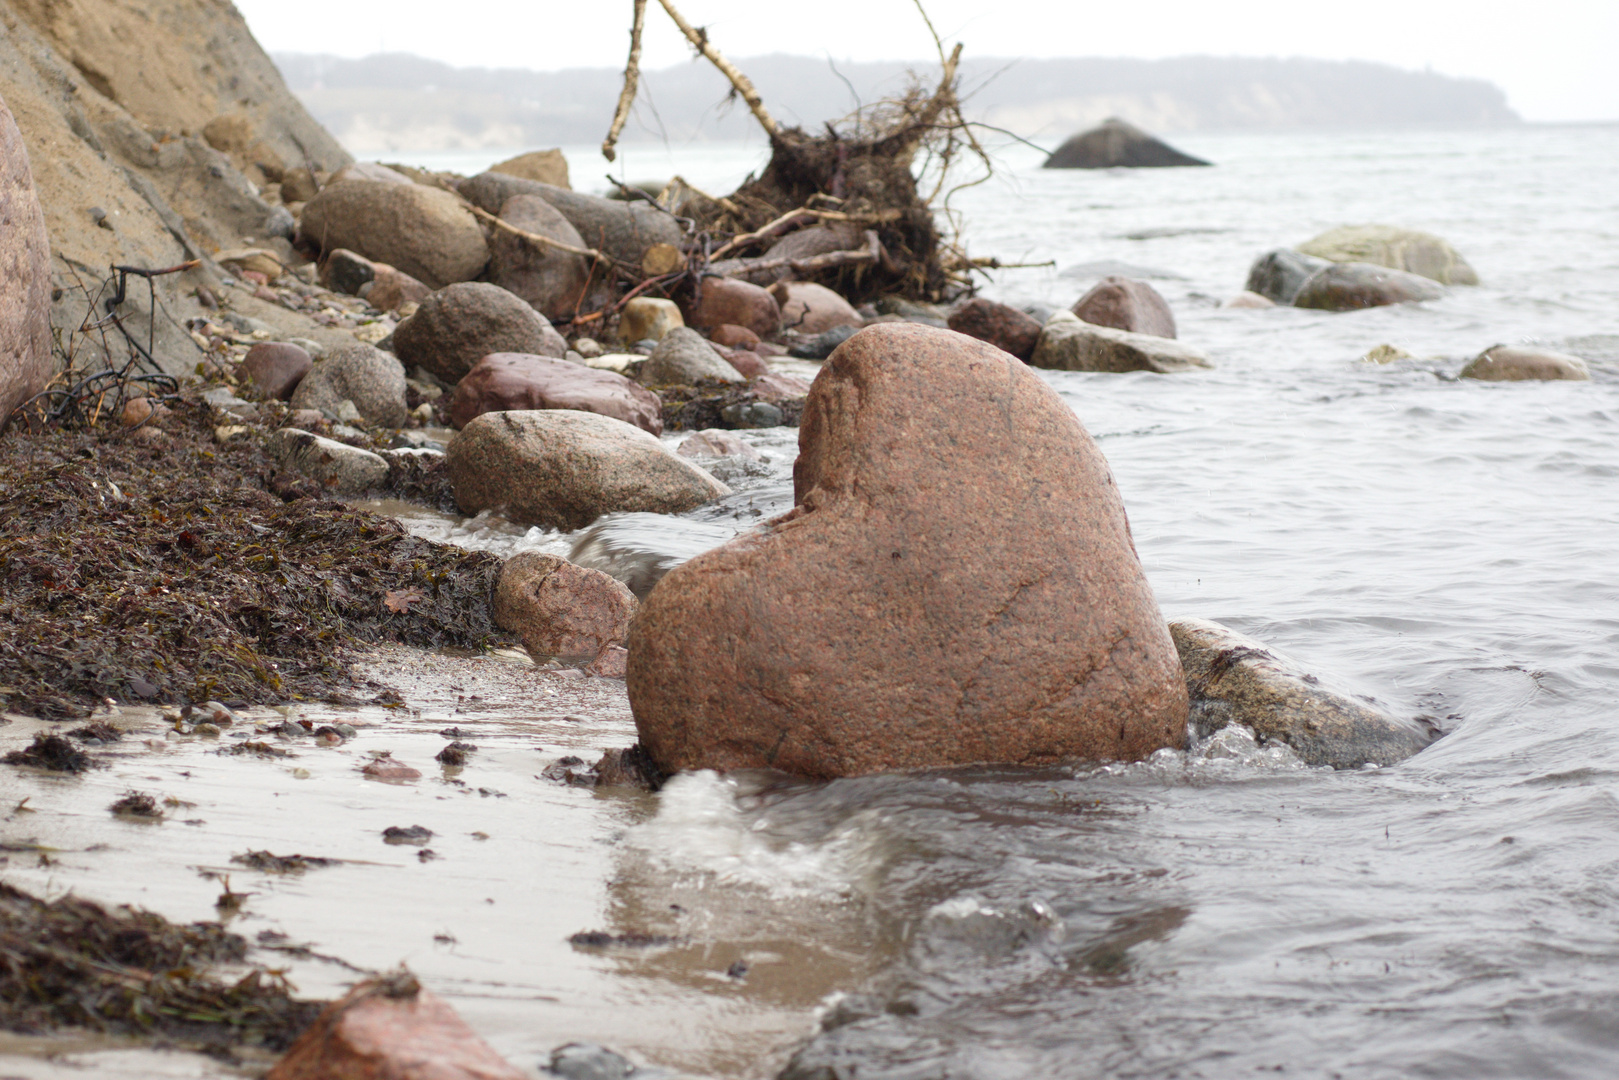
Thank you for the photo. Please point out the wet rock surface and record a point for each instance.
(1233, 679)
(1068, 344)
(363, 374)
(1279, 275)
(561, 610)
(847, 636)
(563, 469)
(423, 231)
(1126, 304)
(502, 382)
(458, 326)
(1508, 363)
(1352, 286)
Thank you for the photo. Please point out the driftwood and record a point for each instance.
(632, 78)
(814, 264)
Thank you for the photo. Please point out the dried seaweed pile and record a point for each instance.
(71, 963)
(166, 571)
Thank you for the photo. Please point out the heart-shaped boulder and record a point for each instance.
(956, 584)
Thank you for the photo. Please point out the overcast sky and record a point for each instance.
(1554, 58)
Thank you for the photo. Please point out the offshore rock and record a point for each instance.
(1126, 304)
(1114, 143)
(423, 231)
(25, 275)
(458, 326)
(561, 610)
(1279, 275)
(1508, 363)
(562, 469)
(683, 358)
(1399, 249)
(503, 382)
(1069, 344)
(363, 374)
(1233, 679)
(727, 300)
(551, 280)
(391, 1029)
(1004, 327)
(813, 309)
(1352, 286)
(887, 621)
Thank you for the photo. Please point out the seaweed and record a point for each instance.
(281, 864)
(160, 567)
(137, 804)
(52, 752)
(73, 963)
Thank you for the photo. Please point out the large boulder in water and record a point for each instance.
(1509, 363)
(1233, 679)
(1114, 143)
(1067, 343)
(1126, 304)
(506, 382)
(458, 326)
(955, 584)
(1352, 286)
(424, 231)
(622, 230)
(552, 280)
(25, 275)
(1398, 249)
(563, 469)
(1279, 275)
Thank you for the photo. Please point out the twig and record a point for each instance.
(803, 216)
(632, 77)
(742, 84)
(545, 241)
(872, 252)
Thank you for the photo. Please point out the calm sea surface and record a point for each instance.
(1449, 548)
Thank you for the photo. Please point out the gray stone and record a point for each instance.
(1414, 252)
(1279, 275)
(1352, 286)
(1233, 679)
(683, 358)
(344, 469)
(562, 469)
(423, 231)
(458, 326)
(621, 230)
(587, 1061)
(820, 346)
(1114, 144)
(362, 374)
(1068, 344)
(1507, 363)
(751, 414)
(551, 280)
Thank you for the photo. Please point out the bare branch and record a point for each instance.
(546, 241)
(632, 77)
(742, 84)
(872, 252)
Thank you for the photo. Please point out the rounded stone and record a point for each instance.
(1509, 363)
(683, 358)
(1352, 286)
(1004, 327)
(503, 382)
(362, 374)
(561, 610)
(426, 232)
(727, 300)
(1126, 304)
(892, 620)
(551, 280)
(813, 309)
(276, 368)
(460, 325)
(1414, 252)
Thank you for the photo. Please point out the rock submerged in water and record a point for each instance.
(1414, 252)
(25, 275)
(1509, 363)
(1233, 679)
(505, 382)
(562, 469)
(1279, 275)
(1353, 286)
(460, 325)
(1115, 143)
(890, 621)
(1069, 344)
(1126, 304)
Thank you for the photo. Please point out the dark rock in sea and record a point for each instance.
(553, 281)
(1115, 143)
(1352, 286)
(886, 622)
(562, 469)
(1279, 275)
(1004, 327)
(561, 610)
(751, 414)
(25, 275)
(1067, 343)
(1508, 363)
(1414, 252)
(1233, 679)
(361, 373)
(458, 326)
(820, 347)
(1126, 304)
(502, 382)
